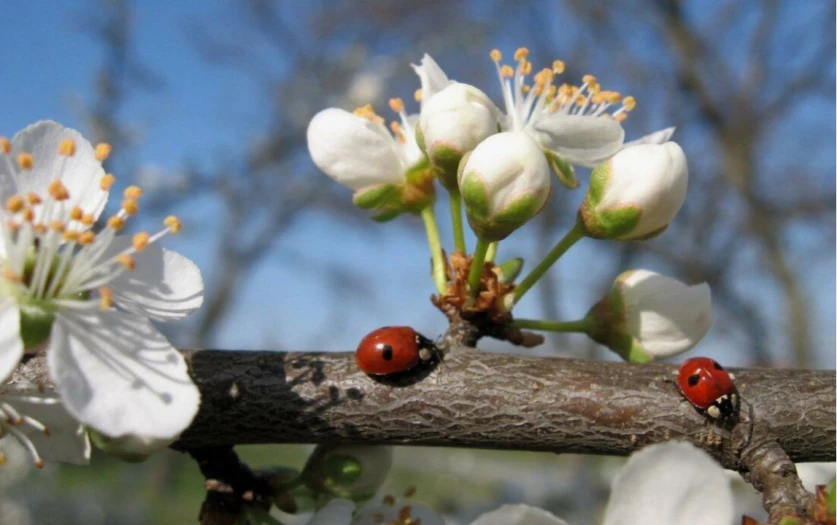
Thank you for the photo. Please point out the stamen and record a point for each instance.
(173, 223)
(395, 127)
(417, 95)
(25, 161)
(86, 238)
(410, 491)
(28, 215)
(102, 151)
(11, 276)
(558, 66)
(58, 191)
(12, 415)
(521, 54)
(133, 192)
(57, 226)
(496, 55)
(5, 145)
(40, 228)
(67, 147)
(629, 104)
(33, 198)
(389, 499)
(396, 104)
(368, 113)
(127, 261)
(77, 213)
(130, 206)
(116, 223)
(140, 241)
(2, 457)
(88, 219)
(525, 67)
(14, 204)
(106, 181)
(70, 236)
(105, 299)
(506, 71)
(404, 513)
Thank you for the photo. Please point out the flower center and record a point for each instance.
(53, 259)
(526, 102)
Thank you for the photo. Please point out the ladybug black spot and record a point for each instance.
(386, 352)
(694, 379)
(718, 366)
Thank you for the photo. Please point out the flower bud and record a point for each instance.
(636, 193)
(647, 316)
(504, 182)
(347, 471)
(452, 123)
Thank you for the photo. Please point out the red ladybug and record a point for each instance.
(392, 350)
(708, 387)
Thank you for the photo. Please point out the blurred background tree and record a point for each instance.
(207, 109)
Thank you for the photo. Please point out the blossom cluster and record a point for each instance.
(497, 161)
(86, 298)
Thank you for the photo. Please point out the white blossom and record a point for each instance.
(635, 194)
(87, 298)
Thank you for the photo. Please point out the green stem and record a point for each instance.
(492, 251)
(429, 218)
(581, 325)
(571, 237)
(456, 221)
(476, 267)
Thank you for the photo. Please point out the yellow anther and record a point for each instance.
(76, 213)
(396, 130)
(506, 71)
(5, 145)
(172, 223)
(559, 67)
(67, 147)
(525, 89)
(127, 261)
(595, 88)
(552, 90)
(102, 151)
(368, 113)
(116, 223)
(12, 226)
(621, 117)
(70, 236)
(589, 79)
(86, 237)
(11, 276)
(629, 103)
(57, 226)
(140, 241)
(581, 100)
(598, 98)
(25, 161)
(521, 53)
(105, 299)
(88, 219)
(39, 463)
(396, 104)
(28, 215)
(525, 67)
(133, 192)
(496, 55)
(404, 514)
(130, 206)
(410, 491)
(33, 198)
(389, 499)
(107, 181)
(14, 204)
(2, 458)
(417, 95)
(58, 190)
(613, 96)
(40, 228)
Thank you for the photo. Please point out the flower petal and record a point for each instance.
(580, 139)
(11, 345)
(672, 483)
(80, 173)
(66, 441)
(658, 137)
(165, 286)
(432, 78)
(518, 515)
(353, 150)
(119, 375)
(337, 512)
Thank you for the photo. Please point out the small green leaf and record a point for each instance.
(562, 169)
(508, 271)
(374, 196)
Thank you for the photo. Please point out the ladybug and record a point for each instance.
(394, 349)
(708, 387)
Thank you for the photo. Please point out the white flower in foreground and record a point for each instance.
(572, 124)
(504, 183)
(635, 194)
(86, 298)
(646, 316)
(672, 483)
(38, 423)
(386, 168)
